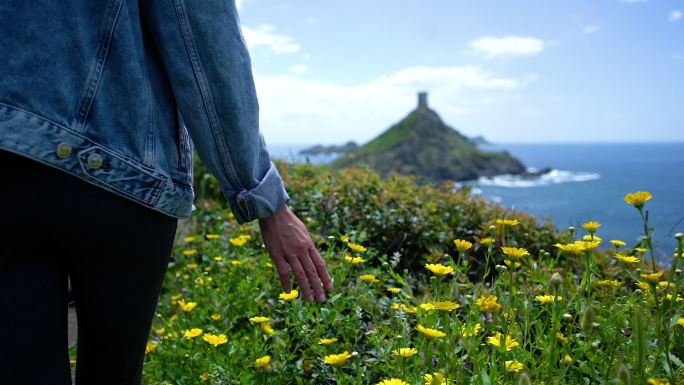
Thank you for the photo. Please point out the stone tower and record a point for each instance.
(422, 99)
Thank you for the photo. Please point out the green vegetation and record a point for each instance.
(431, 287)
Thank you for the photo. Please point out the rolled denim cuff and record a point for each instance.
(260, 201)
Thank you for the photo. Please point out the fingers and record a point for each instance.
(283, 273)
(302, 279)
(312, 274)
(319, 263)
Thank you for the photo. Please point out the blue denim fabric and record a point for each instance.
(119, 92)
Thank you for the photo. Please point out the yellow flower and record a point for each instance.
(640, 250)
(470, 331)
(487, 241)
(262, 362)
(591, 226)
(336, 359)
(344, 238)
(680, 321)
(150, 347)
(259, 319)
(560, 337)
(609, 282)
(487, 303)
(356, 247)
(643, 285)
(440, 305)
(567, 360)
(638, 199)
(618, 243)
(590, 244)
(368, 278)
(392, 381)
(511, 264)
(497, 339)
(513, 366)
(218, 258)
(655, 381)
(405, 352)
(186, 306)
(267, 328)
(652, 276)
(160, 331)
(189, 239)
(438, 269)
(435, 379)
(192, 333)
(571, 248)
(189, 252)
(626, 258)
(216, 316)
(215, 340)
(462, 245)
(430, 333)
(211, 237)
(327, 341)
(548, 298)
(592, 238)
(515, 252)
(191, 266)
(507, 222)
(393, 290)
(175, 297)
(354, 260)
(204, 377)
(240, 240)
(289, 297)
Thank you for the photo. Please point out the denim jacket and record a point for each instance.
(119, 92)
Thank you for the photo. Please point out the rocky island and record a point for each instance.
(422, 144)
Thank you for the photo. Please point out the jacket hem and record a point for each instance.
(35, 137)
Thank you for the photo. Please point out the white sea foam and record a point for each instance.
(551, 177)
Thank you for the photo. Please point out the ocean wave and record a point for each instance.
(551, 177)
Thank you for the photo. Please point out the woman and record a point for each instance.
(101, 105)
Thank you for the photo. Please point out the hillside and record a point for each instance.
(422, 144)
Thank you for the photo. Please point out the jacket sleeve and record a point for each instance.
(205, 56)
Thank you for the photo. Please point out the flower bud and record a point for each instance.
(556, 280)
(492, 228)
(500, 268)
(679, 236)
(567, 317)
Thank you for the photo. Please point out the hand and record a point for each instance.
(288, 242)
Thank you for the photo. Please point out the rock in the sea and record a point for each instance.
(422, 144)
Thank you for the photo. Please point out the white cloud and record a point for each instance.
(491, 47)
(591, 29)
(675, 15)
(299, 110)
(299, 68)
(264, 36)
(239, 3)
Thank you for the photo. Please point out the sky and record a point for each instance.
(511, 71)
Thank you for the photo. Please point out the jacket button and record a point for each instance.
(94, 160)
(63, 150)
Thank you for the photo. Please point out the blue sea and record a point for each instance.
(587, 182)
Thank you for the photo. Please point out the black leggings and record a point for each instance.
(115, 251)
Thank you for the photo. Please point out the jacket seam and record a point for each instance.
(96, 72)
(206, 97)
(149, 159)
